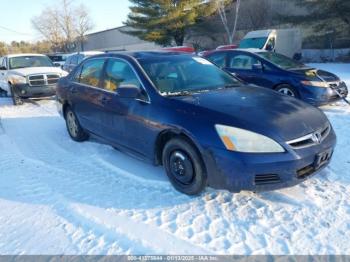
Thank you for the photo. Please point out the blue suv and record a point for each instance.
(203, 125)
(280, 73)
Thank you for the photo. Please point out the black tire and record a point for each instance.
(16, 100)
(75, 131)
(287, 90)
(192, 178)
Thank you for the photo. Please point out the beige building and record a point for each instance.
(115, 40)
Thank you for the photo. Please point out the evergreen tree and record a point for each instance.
(166, 21)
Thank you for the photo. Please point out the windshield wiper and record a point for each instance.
(180, 93)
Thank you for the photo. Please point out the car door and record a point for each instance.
(85, 94)
(120, 124)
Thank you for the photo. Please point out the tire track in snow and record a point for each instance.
(44, 191)
(83, 233)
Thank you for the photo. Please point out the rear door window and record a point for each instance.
(219, 59)
(243, 62)
(91, 72)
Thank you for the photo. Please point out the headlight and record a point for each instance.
(315, 83)
(17, 79)
(240, 140)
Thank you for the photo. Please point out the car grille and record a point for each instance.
(266, 179)
(44, 79)
(310, 139)
(340, 87)
(306, 171)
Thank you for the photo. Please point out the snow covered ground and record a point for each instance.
(62, 197)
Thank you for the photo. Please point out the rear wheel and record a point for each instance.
(287, 90)
(16, 100)
(184, 167)
(75, 130)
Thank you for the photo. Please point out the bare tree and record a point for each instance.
(84, 24)
(255, 14)
(47, 24)
(222, 9)
(64, 25)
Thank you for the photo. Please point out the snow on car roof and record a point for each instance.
(26, 54)
(252, 50)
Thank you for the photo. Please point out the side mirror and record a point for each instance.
(3, 68)
(57, 64)
(128, 91)
(257, 67)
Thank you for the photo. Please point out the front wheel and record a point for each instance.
(74, 128)
(16, 100)
(287, 90)
(184, 167)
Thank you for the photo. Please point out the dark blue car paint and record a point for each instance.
(277, 76)
(137, 126)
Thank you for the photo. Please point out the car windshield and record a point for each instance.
(257, 42)
(29, 61)
(57, 58)
(281, 60)
(183, 74)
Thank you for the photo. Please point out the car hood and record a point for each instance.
(260, 110)
(35, 70)
(316, 73)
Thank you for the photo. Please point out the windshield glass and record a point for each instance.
(281, 60)
(29, 61)
(57, 58)
(258, 42)
(181, 74)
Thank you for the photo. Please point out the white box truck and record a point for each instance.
(284, 41)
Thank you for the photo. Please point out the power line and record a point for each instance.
(13, 31)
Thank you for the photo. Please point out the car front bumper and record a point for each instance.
(236, 171)
(319, 96)
(27, 91)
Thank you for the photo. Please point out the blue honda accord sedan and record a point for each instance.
(204, 126)
(278, 72)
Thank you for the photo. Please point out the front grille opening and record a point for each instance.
(302, 143)
(306, 171)
(309, 140)
(267, 179)
(38, 77)
(325, 131)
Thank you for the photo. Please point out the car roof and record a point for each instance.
(147, 54)
(88, 53)
(26, 54)
(247, 50)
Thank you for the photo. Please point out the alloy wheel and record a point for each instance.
(286, 91)
(72, 124)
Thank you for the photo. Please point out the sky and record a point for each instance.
(16, 15)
